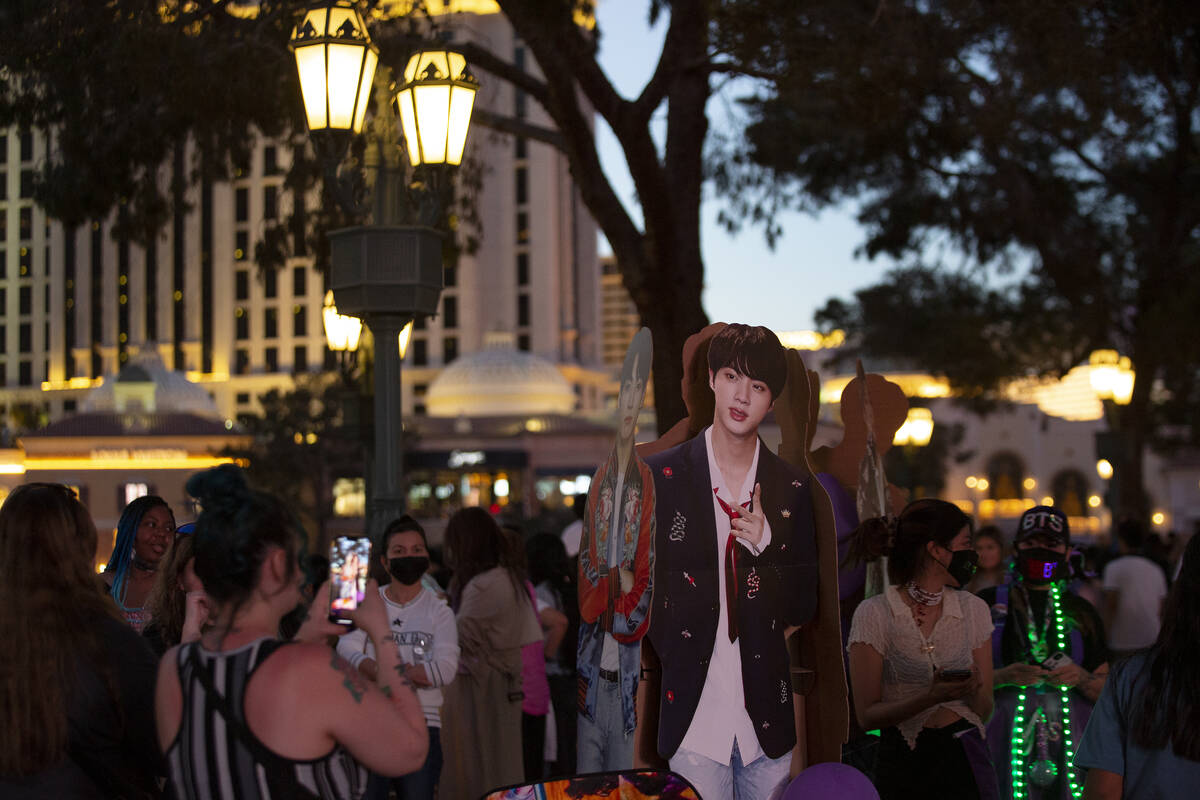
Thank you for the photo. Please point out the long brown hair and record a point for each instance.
(1165, 707)
(475, 544)
(167, 602)
(49, 600)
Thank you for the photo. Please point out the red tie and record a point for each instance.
(731, 593)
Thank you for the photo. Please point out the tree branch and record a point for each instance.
(519, 127)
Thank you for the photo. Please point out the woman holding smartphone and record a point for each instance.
(229, 719)
(920, 658)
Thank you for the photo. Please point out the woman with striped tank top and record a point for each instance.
(244, 715)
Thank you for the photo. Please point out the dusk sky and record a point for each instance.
(745, 281)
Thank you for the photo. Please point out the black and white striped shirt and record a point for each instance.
(216, 756)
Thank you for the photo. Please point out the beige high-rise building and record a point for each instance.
(76, 304)
(619, 316)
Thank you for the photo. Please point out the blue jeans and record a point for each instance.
(764, 778)
(417, 785)
(603, 744)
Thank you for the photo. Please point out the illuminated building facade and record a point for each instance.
(144, 432)
(77, 304)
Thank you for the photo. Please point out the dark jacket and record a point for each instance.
(777, 588)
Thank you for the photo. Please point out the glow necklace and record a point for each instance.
(1020, 779)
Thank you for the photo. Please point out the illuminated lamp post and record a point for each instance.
(917, 429)
(385, 273)
(1112, 377)
(912, 435)
(342, 332)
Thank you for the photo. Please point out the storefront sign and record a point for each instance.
(465, 458)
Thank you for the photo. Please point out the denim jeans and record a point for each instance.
(764, 778)
(417, 785)
(603, 744)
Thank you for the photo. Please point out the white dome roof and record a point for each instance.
(499, 380)
(154, 388)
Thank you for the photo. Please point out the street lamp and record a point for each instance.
(342, 332)
(384, 274)
(434, 105)
(1112, 376)
(916, 430)
(336, 60)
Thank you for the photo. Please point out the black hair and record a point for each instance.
(903, 538)
(1165, 711)
(753, 351)
(236, 528)
(401, 524)
(640, 348)
(547, 557)
(1132, 534)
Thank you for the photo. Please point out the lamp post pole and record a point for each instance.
(386, 273)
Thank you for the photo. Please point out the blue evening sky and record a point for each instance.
(745, 281)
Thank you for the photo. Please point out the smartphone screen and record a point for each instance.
(1055, 661)
(349, 557)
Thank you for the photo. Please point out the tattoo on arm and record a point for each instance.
(351, 679)
(404, 679)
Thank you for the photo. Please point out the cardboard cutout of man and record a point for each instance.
(616, 579)
(736, 565)
(818, 673)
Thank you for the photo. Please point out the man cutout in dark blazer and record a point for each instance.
(736, 564)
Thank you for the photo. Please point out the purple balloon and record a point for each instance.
(830, 782)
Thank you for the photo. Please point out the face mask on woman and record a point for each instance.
(963, 564)
(408, 569)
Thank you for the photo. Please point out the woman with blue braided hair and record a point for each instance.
(144, 533)
(242, 713)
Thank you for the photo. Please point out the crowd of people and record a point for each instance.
(202, 662)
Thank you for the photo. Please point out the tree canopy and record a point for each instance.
(1033, 164)
(299, 446)
(128, 85)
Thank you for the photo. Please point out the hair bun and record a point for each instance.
(221, 486)
(872, 539)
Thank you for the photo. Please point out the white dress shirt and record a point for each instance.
(721, 717)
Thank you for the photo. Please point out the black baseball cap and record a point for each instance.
(1046, 521)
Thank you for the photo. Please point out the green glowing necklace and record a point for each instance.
(1020, 775)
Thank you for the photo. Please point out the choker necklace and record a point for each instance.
(923, 597)
(144, 566)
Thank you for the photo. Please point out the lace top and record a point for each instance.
(909, 659)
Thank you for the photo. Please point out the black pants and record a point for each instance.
(533, 745)
(938, 769)
(564, 695)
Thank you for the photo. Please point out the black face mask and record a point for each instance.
(1041, 565)
(962, 565)
(408, 569)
